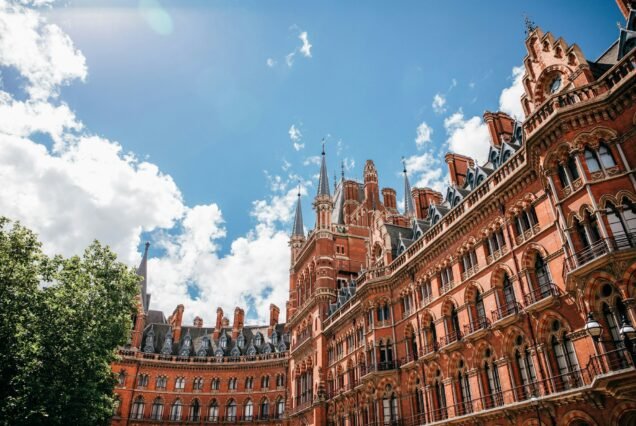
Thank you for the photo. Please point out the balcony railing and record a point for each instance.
(476, 325)
(166, 418)
(381, 366)
(447, 287)
(497, 254)
(505, 311)
(615, 362)
(600, 248)
(527, 234)
(451, 337)
(470, 272)
(541, 292)
(427, 349)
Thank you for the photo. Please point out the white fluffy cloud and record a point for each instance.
(305, 49)
(271, 62)
(84, 187)
(423, 134)
(426, 171)
(468, 136)
(42, 53)
(439, 103)
(510, 99)
(296, 136)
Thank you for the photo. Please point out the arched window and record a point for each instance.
(138, 408)
(121, 379)
(525, 370)
(161, 383)
(230, 412)
(494, 397)
(248, 411)
(567, 172)
(439, 399)
(390, 407)
(463, 394)
(509, 295)
(622, 223)
(419, 398)
(264, 409)
(479, 307)
(213, 411)
(607, 160)
(542, 276)
(195, 410)
(156, 411)
(564, 357)
(280, 408)
(179, 383)
(176, 410)
(592, 161)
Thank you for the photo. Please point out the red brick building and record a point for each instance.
(475, 306)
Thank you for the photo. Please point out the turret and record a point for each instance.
(458, 166)
(371, 190)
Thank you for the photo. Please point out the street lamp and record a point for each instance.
(593, 328)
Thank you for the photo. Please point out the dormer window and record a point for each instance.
(274, 338)
(223, 341)
(480, 179)
(241, 341)
(258, 339)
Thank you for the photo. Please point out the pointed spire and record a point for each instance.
(342, 168)
(409, 208)
(142, 271)
(323, 181)
(298, 230)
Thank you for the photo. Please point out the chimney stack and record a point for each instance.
(175, 322)
(219, 323)
(423, 198)
(273, 318)
(389, 198)
(458, 166)
(239, 318)
(500, 126)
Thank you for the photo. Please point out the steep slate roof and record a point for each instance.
(154, 339)
(323, 180)
(298, 230)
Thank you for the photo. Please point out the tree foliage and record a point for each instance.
(60, 323)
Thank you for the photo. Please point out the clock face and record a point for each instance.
(556, 84)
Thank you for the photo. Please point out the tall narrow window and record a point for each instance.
(195, 410)
(592, 161)
(231, 411)
(176, 410)
(479, 307)
(248, 413)
(607, 160)
(509, 294)
(542, 275)
(214, 411)
(156, 411)
(138, 408)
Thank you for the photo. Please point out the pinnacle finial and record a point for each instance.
(404, 164)
(342, 168)
(323, 146)
(530, 25)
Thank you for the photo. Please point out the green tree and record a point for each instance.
(61, 321)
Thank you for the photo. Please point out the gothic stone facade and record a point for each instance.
(468, 307)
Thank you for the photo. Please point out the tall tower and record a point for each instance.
(371, 190)
(322, 203)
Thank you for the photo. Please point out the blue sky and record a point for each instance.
(189, 123)
(200, 101)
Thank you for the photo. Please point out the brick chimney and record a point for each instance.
(458, 167)
(423, 198)
(273, 318)
(175, 322)
(388, 197)
(239, 318)
(198, 322)
(500, 126)
(219, 323)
